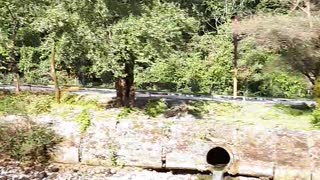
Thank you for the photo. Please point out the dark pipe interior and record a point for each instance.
(218, 156)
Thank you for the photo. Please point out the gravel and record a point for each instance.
(10, 170)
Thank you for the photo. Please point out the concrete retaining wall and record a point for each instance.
(255, 151)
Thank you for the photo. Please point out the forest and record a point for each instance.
(248, 47)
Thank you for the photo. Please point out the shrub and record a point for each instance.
(294, 110)
(84, 120)
(27, 142)
(25, 103)
(197, 109)
(125, 112)
(11, 104)
(154, 108)
(68, 98)
(74, 99)
(316, 118)
(41, 105)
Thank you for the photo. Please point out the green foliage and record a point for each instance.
(78, 100)
(206, 69)
(262, 73)
(283, 85)
(113, 155)
(155, 108)
(69, 98)
(275, 6)
(294, 110)
(173, 45)
(198, 108)
(223, 109)
(125, 112)
(84, 120)
(292, 38)
(41, 105)
(11, 104)
(316, 91)
(5, 78)
(28, 142)
(25, 103)
(316, 118)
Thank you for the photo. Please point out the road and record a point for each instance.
(168, 95)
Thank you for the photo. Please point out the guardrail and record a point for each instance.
(169, 95)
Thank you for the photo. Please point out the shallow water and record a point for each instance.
(217, 175)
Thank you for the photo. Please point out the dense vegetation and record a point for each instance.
(186, 46)
(27, 142)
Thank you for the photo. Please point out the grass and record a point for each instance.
(25, 103)
(84, 120)
(266, 115)
(75, 107)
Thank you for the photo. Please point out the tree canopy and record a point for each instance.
(183, 45)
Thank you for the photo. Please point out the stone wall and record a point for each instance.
(183, 144)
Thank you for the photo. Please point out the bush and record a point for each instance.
(68, 98)
(154, 108)
(27, 142)
(84, 120)
(125, 112)
(294, 110)
(316, 118)
(41, 105)
(25, 103)
(197, 109)
(74, 99)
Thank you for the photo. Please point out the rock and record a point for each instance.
(27, 171)
(39, 168)
(113, 171)
(28, 164)
(3, 178)
(42, 175)
(24, 178)
(53, 169)
(54, 176)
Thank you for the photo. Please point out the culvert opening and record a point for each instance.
(218, 157)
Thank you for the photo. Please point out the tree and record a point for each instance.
(56, 24)
(53, 73)
(138, 41)
(305, 6)
(292, 38)
(15, 17)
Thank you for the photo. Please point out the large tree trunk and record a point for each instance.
(120, 88)
(125, 87)
(130, 92)
(54, 75)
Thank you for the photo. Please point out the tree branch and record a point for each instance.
(10, 12)
(295, 5)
